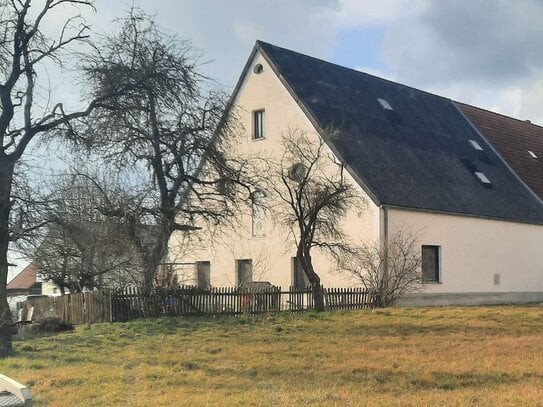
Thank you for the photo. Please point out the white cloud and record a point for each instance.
(483, 52)
(363, 13)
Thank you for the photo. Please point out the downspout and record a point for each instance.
(384, 282)
(385, 224)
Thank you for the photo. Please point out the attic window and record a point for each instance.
(532, 154)
(475, 145)
(482, 177)
(258, 69)
(384, 104)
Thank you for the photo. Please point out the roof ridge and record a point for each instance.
(259, 42)
(528, 122)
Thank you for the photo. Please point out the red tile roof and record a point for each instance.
(25, 279)
(513, 139)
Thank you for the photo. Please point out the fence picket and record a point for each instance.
(124, 305)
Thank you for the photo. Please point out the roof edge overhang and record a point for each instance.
(460, 214)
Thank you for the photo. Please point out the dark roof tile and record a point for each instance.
(417, 155)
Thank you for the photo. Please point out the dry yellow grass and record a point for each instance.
(484, 356)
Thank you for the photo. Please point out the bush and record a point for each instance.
(53, 324)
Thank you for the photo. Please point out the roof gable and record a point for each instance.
(417, 155)
(25, 279)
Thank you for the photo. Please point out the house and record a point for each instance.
(420, 160)
(28, 282)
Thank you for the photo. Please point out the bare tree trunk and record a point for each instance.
(7, 327)
(314, 279)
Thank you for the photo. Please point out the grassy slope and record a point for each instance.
(432, 356)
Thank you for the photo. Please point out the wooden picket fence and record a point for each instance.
(130, 303)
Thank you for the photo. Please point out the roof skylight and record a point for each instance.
(475, 145)
(384, 104)
(532, 154)
(482, 177)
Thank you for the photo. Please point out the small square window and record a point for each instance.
(476, 145)
(258, 124)
(430, 264)
(482, 177)
(384, 104)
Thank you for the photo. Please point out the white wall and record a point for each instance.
(474, 249)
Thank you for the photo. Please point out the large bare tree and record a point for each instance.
(25, 115)
(315, 197)
(169, 134)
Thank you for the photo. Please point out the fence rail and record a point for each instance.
(130, 303)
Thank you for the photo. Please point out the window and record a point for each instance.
(384, 104)
(482, 177)
(258, 69)
(244, 271)
(258, 124)
(475, 145)
(430, 264)
(203, 274)
(299, 279)
(259, 214)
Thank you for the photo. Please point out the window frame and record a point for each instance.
(208, 274)
(438, 271)
(297, 274)
(258, 124)
(238, 264)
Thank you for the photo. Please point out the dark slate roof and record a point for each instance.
(513, 139)
(417, 156)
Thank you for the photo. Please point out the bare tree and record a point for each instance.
(170, 131)
(80, 248)
(388, 268)
(24, 49)
(314, 197)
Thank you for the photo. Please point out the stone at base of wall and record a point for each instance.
(488, 298)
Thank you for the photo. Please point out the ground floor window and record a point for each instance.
(431, 264)
(203, 274)
(244, 271)
(299, 279)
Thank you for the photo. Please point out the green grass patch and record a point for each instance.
(425, 356)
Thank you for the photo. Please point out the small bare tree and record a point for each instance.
(314, 197)
(81, 248)
(388, 268)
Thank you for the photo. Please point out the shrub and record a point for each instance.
(53, 324)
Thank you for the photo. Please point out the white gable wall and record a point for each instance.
(271, 255)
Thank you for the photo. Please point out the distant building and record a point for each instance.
(28, 282)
